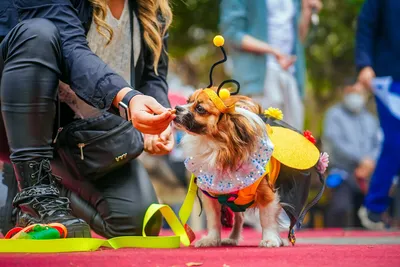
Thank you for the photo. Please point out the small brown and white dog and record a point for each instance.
(225, 140)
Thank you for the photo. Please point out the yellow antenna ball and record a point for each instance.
(219, 41)
(224, 94)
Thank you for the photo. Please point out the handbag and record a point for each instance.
(93, 147)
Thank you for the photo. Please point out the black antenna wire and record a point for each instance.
(215, 64)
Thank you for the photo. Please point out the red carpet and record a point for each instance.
(248, 254)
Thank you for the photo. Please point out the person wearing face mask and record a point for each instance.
(355, 101)
(352, 138)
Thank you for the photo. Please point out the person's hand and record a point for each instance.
(149, 116)
(363, 172)
(366, 76)
(159, 144)
(365, 168)
(310, 4)
(285, 61)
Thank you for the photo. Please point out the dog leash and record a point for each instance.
(183, 234)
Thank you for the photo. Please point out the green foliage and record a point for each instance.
(195, 22)
(330, 48)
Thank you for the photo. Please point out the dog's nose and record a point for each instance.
(179, 109)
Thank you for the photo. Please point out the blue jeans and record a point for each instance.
(388, 164)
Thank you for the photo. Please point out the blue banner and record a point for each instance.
(388, 91)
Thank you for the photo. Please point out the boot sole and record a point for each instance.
(79, 231)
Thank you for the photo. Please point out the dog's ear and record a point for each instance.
(236, 136)
(240, 137)
(243, 128)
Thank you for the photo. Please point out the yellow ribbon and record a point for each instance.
(92, 244)
(219, 104)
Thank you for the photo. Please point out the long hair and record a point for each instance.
(149, 11)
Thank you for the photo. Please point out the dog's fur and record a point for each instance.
(225, 141)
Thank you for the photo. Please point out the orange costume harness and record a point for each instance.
(244, 198)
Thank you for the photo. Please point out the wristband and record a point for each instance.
(123, 105)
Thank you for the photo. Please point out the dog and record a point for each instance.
(222, 140)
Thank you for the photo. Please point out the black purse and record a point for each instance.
(91, 148)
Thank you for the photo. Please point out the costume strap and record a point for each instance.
(313, 202)
(183, 234)
(299, 221)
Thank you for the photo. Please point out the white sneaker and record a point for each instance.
(367, 222)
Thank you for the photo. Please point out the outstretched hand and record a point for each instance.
(149, 116)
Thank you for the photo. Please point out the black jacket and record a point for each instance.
(88, 75)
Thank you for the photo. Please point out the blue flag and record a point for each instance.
(388, 92)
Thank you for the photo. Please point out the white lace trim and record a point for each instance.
(222, 183)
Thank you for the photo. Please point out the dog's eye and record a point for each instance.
(200, 109)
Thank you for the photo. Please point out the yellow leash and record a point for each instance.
(177, 225)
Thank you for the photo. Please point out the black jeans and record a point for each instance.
(31, 65)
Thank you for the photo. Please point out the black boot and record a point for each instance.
(39, 199)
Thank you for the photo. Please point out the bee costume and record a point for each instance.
(289, 158)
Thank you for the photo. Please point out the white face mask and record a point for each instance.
(354, 102)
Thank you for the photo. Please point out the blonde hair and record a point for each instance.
(149, 11)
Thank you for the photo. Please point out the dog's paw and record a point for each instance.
(273, 241)
(229, 242)
(208, 242)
